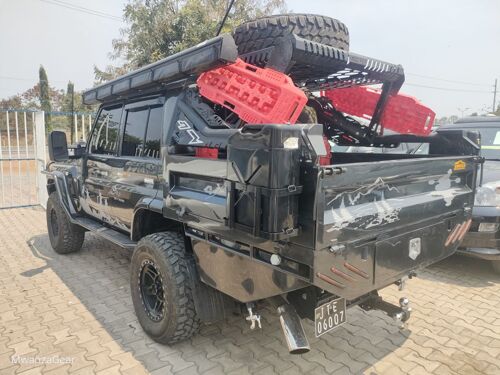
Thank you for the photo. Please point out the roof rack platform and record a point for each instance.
(317, 66)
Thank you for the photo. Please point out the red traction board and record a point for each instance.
(256, 95)
(403, 114)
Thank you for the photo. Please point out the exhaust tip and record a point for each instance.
(300, 351)
(295, 336)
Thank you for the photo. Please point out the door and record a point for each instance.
(136, 180)
(100, 162)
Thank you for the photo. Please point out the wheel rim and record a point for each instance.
(151, 290)
(54, 226)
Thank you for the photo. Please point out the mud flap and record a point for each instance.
(210, 304)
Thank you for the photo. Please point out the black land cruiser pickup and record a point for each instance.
(483, 239)
(261, 218)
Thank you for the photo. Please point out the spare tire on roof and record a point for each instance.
(266, 31)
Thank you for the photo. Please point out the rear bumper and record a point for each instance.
(352, 270)
(481, 244)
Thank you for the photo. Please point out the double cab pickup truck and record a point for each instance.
(214, 167)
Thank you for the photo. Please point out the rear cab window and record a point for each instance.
(142, 131)
(134, 133)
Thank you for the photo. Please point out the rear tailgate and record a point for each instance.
(378, 221)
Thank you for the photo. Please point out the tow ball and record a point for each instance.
(400, 314)
(403, 316)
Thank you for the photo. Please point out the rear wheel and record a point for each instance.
(64, 236)
(265, 32)
(161, 287)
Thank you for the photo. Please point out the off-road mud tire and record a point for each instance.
(64, 236)
(265, 32)
(165, 252)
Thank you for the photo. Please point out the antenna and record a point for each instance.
(225, 17)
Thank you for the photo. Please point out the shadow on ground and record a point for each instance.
(98, 276)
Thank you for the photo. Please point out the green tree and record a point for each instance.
(30, 99)
(12, 102)
(158, 28)
(45, 104)
(69, 106)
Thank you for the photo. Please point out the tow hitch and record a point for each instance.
(400, 314)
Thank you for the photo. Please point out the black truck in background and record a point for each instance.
(264, 220)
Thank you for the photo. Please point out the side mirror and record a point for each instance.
(58, 147)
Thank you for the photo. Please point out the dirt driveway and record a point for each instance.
(73, 314)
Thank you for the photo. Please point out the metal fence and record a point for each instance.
(23, 152)
(76, 125)
(17, 159)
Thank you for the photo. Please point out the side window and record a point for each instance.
(153, 134)
(105, 136)
(135, 130)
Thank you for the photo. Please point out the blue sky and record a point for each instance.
(449, 40)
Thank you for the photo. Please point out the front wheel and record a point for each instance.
(65, 237)
(161, 287)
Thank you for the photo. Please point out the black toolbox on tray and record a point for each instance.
(263, 171)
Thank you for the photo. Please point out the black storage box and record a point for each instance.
(263, 169)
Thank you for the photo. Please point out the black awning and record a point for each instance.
(185, 64)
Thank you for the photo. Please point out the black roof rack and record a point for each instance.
(311, 65)
(317, 66)
(185, 64)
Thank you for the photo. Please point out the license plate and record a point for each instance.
(329, 316)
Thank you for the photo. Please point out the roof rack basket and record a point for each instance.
(318, 67)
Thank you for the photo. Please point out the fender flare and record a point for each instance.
(62, 190)
(145, 204)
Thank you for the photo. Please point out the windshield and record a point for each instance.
(490, 142)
